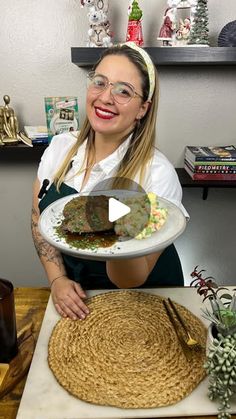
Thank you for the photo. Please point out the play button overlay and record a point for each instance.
(119, 205)
(116, 210)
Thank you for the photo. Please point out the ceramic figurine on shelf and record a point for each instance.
(168, 26)
(8, 123)
(134, 30)
(99, 34)
(9, 127)
(183, 31)
(199, 34)
(177, 21)
(1, 126)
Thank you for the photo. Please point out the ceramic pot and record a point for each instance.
(212, 333)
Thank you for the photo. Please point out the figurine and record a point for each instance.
(9, 128)
(183, 31)
(177, 23)
(134, 29)
(8, 123)
(168, 26)
(1, 126)
(99, 34)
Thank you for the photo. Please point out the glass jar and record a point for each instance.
(8, 336)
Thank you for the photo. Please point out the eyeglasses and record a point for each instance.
(121, 92)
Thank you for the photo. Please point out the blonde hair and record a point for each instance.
(142, 142)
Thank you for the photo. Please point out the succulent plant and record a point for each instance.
(221, 356)
(222, 302)
(221, 368)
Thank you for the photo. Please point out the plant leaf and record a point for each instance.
(192, 282)
(226, 296)
(232, 306)
(214, 284)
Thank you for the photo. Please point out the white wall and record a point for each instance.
(197, 106)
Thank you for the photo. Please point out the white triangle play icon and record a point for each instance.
(116, 210)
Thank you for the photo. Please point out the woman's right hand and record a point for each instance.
(68, 298)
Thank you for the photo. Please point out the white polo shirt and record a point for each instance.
(160, 176)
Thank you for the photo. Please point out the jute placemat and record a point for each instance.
(126, 353)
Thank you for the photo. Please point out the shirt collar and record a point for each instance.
(109, 163)
(79, 157)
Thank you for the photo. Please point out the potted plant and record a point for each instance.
(221, 356)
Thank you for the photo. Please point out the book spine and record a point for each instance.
(210, 163)
(208, 176)
(210, 158)
(211, 153)
(38, 141)
(210, 168)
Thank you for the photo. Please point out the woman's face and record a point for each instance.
(106, 116)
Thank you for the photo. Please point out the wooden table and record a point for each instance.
(30, 306)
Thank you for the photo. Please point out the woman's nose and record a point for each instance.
(106, 94)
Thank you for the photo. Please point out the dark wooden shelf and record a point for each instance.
(21, 153)
(170, 56)
(187, 182)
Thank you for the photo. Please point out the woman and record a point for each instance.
(117, 139)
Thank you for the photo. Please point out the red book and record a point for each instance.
(210, 176)
(211, 169)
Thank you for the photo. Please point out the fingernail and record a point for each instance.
(87, 311)
(74, 318)
(82, 316)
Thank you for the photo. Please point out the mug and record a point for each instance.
(8, 336)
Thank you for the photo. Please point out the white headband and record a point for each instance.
(149, 64)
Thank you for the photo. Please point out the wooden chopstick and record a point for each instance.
(179, 317)
(176, 329)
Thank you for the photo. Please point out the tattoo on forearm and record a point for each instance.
(43, 248)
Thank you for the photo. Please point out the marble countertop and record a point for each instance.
(44, 398)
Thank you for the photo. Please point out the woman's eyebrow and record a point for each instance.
(118, 81)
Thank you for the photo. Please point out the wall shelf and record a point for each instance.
(187, 182)
(168, 56)
(21, 153)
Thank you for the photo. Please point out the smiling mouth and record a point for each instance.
(104, 114)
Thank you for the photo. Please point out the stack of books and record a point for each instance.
(38, 134)
(211, 163)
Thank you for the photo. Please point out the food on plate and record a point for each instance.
(145, 217)
(86, 223)
(86, 214)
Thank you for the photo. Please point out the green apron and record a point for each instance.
(92, 274)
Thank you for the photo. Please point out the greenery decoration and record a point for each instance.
(199, 33)
(222, 301)
(221, 356)
(136, 13)
(221, 368)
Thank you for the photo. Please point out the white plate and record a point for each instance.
(175, 224)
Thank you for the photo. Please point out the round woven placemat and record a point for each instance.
(126, 353)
